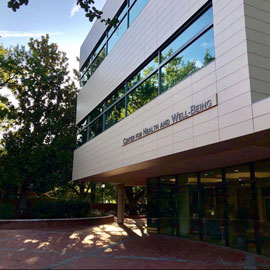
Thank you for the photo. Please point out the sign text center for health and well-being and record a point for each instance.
(175, 118)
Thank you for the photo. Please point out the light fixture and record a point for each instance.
(102, 186)
(236, 170)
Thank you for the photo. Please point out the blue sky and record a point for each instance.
(66, 24)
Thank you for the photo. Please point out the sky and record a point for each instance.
(63, 20)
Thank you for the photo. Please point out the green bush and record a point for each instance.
(50, 209)
(7, 211)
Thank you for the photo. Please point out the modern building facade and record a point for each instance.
(177, 98)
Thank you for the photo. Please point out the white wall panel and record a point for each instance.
(229, 76)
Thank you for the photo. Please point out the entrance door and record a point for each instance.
(212, 207)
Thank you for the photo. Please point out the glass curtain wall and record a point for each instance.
(229, 206)
(128, 13)
(189, 51)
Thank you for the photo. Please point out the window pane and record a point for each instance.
(188, 206)
(123, 13)
(241, 208)
(99, 59)
(131, 2)
(205, 20)
(86, 77)
(263, 196)
(115, 96)
(99, 47)
(117, 34)
(213, 207)
(82, 124)
(196, 56)
(82, 137)
(144, 72)
(96, 112)
(115, 114)
(96, 128)
(143, 94)
(136, 10)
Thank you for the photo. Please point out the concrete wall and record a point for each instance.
(228, 77)
(258, 43)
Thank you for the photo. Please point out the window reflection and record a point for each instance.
(136, 9)
(115, 114)
(115, 96)
(144, 72)
(188, 206)
(196, 56)
(241, 208)
(205, 20)
(95, 113)
(82, 137)
(96, 128)
(99, 59)
(263, 197)
(122, 27)
(143, 94)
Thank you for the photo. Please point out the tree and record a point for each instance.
(38, 151)
(134, 196)
(87, 5)
(10, 66)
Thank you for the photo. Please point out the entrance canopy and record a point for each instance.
(224, 154)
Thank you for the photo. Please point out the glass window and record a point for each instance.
(152, 203)
(213, 207)
(262, 175)
(167, 192)
(144, 72)
(205, 20)
(115, 114)
(96, 127)
(197, 55)
(115, 96)
(123, 13)
(96, 112)
(82, 137)
(121, 28)
(82, 124)
(143, 94)
(241, 208)
(101, 45)
(131, 2)
(188, 206)
(136, 10)
(98, 60)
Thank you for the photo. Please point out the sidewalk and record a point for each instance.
(117, 247)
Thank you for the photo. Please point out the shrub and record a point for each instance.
(7, 211)
(49, 209)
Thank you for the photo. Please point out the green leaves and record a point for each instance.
(39, 147)
(16, 4)
(87, 5)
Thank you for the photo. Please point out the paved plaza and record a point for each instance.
(117, 247)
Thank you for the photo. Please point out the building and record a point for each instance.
(177, 98)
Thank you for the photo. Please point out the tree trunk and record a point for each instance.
(22, 201)
(132, 203)
(93, 193)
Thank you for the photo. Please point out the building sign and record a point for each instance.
(175, 118)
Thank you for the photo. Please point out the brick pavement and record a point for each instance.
(116, 247)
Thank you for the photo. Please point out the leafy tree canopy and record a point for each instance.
(87, 5)
(38, 146)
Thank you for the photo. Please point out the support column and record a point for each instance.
(121, 204)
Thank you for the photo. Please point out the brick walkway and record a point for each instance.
(111, 246)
